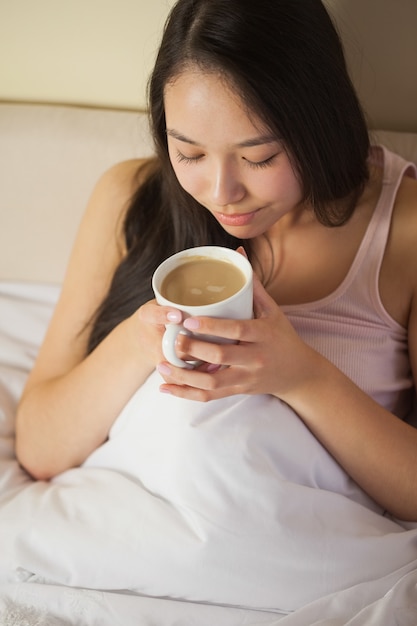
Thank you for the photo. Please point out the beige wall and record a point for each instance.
(79, 51)
(100, 52)
(380, 38)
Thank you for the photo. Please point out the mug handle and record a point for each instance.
(168, 346)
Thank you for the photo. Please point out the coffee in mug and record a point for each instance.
(201, 280)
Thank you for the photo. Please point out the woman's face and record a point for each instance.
(227, 160)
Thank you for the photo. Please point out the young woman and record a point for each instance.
(261, 143)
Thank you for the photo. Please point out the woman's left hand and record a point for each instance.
(269, 356)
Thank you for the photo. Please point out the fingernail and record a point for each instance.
(212, 367)
(191, 323)
(164, 369)
(174, 317)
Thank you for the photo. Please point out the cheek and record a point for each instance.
(188, 179)
(284, 185)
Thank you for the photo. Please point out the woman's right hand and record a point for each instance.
(154, 317)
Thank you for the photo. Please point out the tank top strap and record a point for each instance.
(394, 168)
(370, 255)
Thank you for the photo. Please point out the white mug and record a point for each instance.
(239, 305)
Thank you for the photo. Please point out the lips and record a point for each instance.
(236, 219)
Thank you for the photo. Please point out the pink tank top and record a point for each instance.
(351, 326)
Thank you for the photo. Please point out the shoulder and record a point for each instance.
(403, 236)
(119, 183)
(405, 224)
(398, 277)
(405, 213)
(405, 227)
(113, 194)
(99, 245)
(126, 175)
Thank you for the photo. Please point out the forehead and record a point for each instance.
(203, 100)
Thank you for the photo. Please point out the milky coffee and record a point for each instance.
(201, 280)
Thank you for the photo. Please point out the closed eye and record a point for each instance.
(181, 158)
(261, 164)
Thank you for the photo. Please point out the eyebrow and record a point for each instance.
(248, 143)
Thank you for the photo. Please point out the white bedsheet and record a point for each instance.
(222, 513)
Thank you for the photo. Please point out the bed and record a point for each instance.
(244, 531)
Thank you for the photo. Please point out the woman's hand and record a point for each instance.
(153, 317)
(268, 357)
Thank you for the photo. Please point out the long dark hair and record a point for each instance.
(285, 59)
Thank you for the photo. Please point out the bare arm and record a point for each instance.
(377, 449)
(70, 401)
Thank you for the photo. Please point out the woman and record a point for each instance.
(261, 142)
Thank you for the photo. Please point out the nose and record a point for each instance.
(227, 187)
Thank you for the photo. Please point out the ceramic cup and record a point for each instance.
(208, 281)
